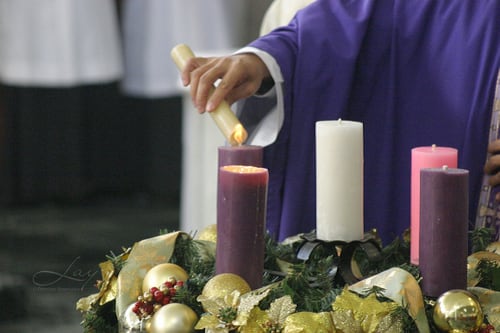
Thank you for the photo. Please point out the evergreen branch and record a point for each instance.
(481, 238)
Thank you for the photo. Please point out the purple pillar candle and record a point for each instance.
(240, 155)
(443, 229)
(241, 215)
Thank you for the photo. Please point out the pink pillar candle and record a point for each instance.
(424, 157)
(241, 214)
(240, 155)
(443, 229)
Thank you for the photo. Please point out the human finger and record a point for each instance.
(189, 67)
(242, 78)
(206, 77)
(202, 84)
(494, 179)
(492, 165)
(494, 147)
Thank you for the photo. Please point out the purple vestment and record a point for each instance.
(415, 72)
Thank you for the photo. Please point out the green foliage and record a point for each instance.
(481, 238)
(100, 319)
(117, 260)
(275, 251)
(309, 284)
(401, 314)
(200, 269)
(489, 274)
(185, 252)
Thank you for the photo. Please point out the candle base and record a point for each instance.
(342, 271)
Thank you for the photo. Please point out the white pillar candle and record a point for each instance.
(339, 180)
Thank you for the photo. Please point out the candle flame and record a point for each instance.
(239, 134)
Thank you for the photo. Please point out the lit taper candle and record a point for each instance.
(224, 118)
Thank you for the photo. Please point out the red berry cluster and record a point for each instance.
(486, 328)
(155, 298)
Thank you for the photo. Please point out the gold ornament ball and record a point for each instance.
(458, 311)
(224, 284)
(173, 317)
(157, 275)
(208, 234)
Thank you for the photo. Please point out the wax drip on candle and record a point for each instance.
(340, 121)
(433, 147)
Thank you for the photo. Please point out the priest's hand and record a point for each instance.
(492, 166)
(240, 75)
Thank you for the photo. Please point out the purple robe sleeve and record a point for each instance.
(415, 72)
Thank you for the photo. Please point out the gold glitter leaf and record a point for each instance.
(345, 323)
(109, 294)
(233, 299)
(107, 286)
(369, 311)
(390, 324)
(309, 322)
(207, 321)
(85, 303)
(255, 322)
(218, 330)
(247, 303)
(401, 287)
(281, 308)
(212, 305)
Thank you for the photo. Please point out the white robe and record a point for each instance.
(280, 12)
(59, 42)
(151, 28)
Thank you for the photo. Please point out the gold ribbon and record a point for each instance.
(144, 255)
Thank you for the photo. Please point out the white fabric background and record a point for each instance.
(153, 27)
(59, 42)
